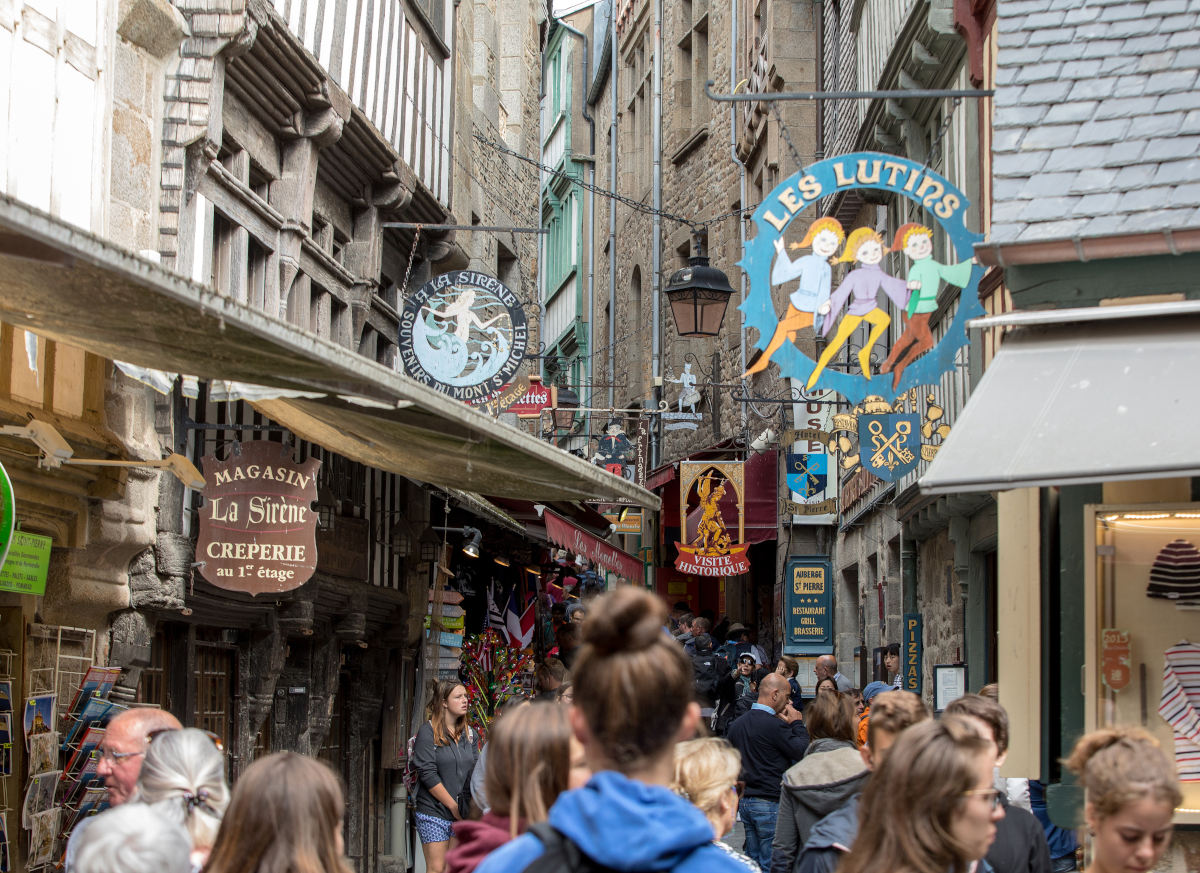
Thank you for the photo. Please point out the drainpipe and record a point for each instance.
(591, 202)
(733, 153)
(612, 212)
(656, 250)
(819, 13)
(541, 214)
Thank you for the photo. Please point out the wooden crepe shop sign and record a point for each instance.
(257, 525)
(706, 546)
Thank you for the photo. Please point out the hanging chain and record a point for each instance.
(408, 270)
(936, 145)
(787, 137)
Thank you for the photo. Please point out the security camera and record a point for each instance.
(762, 441)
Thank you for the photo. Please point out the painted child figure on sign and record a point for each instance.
(861, 288)
(924, 281)
(614, 450)
(809, 303)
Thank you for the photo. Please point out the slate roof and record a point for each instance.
(1097, 118)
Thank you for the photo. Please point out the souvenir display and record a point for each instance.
(1175, 575)
(39, 716)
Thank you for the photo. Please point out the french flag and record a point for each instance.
(518, 626)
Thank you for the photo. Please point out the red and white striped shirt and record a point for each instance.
(1180, 706)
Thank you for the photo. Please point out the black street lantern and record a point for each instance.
(565, 403)
(699, 295)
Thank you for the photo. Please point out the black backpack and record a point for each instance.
(561, 855)
(706, 668)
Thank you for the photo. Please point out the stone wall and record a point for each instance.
(940, 602)
(867, 556)
(497, 67)
(86, 584)
(701, 181)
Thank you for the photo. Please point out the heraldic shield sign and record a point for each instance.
(807, 473)
(463, 333)
(890, 444)
(802, 265)
(258, 530)
(709, 493)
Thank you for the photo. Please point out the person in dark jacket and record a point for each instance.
(736, 692)
(1020, 845)
(444, 755)
(831, 772)
(708, 668)
(789, 668)
(770, 737)
(831, 837)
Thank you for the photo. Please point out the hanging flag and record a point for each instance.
(495, 616)
(519, 626)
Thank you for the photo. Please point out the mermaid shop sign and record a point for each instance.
(463, 333)
(855, 312)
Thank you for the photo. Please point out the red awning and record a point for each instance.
(575, 539)
(660, 477)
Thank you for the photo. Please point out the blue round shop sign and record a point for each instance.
(802, 265)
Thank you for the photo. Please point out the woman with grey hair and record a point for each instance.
(134, 838)
(183, 778)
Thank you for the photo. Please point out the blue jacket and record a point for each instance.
(625, 825)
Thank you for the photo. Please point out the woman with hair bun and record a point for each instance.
(183, 778)
(633, 703)
(1131, 794)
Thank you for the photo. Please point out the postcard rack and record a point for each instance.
(8, 792)
(58, 660)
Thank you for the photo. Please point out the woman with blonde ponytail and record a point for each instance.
(1131, 794)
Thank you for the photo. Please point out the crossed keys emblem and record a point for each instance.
(889, 451)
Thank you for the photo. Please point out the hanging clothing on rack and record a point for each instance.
(1180, 706)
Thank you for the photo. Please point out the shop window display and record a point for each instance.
(1143, 627)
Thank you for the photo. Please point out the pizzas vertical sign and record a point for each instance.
(258, 530)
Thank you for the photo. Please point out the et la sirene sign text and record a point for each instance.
(257, 525)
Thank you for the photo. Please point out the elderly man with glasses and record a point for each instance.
(121, 753)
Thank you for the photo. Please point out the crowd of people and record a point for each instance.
(618, 765)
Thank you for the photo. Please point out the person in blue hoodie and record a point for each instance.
(633, 703)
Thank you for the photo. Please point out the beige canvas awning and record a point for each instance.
(1076, 396)
(70, 286)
